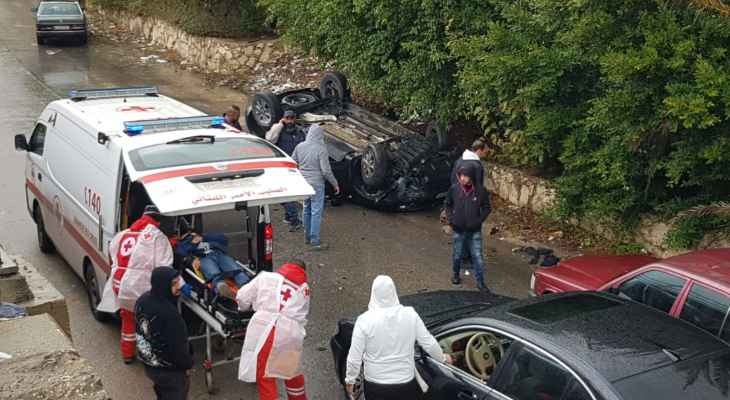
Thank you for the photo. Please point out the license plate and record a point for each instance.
(61, 28)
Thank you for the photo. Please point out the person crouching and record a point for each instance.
(162, 336)
(275, 335)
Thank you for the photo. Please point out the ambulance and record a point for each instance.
(97, 158)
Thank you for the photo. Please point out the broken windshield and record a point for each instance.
(180, 153)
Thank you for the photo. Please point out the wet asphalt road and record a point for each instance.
(364, 243)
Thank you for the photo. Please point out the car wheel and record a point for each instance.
(252, 125)
(266, 109)
(334, 84)
(297, 100)
(92, 293)
(45, 244)
(437, 134)
(374, 165)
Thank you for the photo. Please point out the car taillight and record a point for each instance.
(268, 243)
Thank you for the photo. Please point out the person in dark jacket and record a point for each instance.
(162, 337)
(231, 117)
(286, 134)
(467, 206)
(471, 156)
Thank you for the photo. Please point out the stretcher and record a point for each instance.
(221, 318)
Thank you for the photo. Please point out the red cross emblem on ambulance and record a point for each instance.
(136, 108)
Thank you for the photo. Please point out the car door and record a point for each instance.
(705, 307)
(529, 374)
(655, 288)
(447, 382)
(39, 183)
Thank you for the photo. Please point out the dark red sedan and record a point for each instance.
(694, 287)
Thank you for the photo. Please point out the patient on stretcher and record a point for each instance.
(208, 255)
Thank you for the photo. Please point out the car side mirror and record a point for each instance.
(21, 143)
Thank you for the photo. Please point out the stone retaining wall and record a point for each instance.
(211, 55)
(538, 195)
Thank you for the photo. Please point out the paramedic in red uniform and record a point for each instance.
(275, 336)
(135, 252)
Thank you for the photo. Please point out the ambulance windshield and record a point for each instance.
(192, 152)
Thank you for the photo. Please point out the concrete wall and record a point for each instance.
(38, 296)
(211, 55)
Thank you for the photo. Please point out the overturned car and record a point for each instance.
(379, 163)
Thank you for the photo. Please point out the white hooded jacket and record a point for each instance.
(384, 339)
(151, 249)
(281, 304)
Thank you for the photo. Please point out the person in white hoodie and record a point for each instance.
(383, 341)
(473, 155)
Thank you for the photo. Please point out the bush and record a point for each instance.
(630, 98)
(395, 50)
(220, 18)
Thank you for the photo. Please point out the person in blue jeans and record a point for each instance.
(467, 206)
(287, 135)
(314, 165)
(209, 255)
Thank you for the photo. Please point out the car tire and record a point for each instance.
(438, 135)
(45, 244)
(334, 84)
(266, 110)
(297, 100)
(374, 165)
(252, 126)
(92, 293)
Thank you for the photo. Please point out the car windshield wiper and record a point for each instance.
(194, 139)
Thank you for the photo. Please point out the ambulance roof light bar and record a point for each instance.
(136, 91)
(132, 128)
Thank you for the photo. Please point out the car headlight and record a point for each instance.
(532, 281)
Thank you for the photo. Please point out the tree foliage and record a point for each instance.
(628, 101)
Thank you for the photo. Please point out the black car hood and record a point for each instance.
(446, 305)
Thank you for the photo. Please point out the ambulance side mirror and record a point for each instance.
(21, 143)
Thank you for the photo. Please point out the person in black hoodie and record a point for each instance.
(162, 337)
(467, 206)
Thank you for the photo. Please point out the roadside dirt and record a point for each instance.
(57, 375)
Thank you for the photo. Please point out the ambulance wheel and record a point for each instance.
(209, 382)
(44, 241)
(92, 293)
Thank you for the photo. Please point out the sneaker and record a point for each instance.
(320, 247)
(225, 291)
(286, 221)
(483, 288)
(455, 280)
(295, 227)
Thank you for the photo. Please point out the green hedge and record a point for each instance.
(627, 102)
(220, 18)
